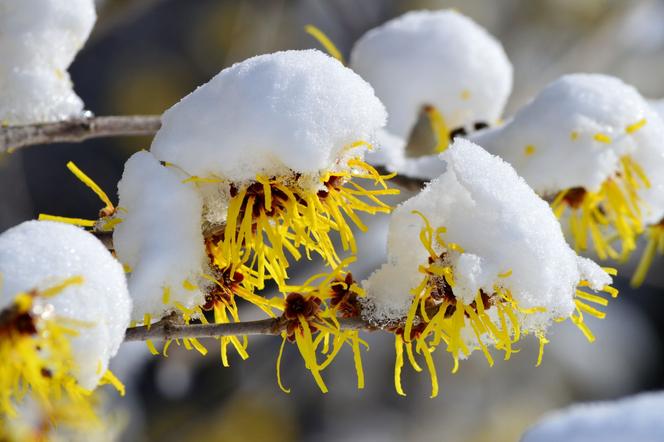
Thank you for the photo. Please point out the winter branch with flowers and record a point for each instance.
(282, 158)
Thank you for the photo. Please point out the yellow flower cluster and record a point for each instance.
(437, 317)
(38, 369)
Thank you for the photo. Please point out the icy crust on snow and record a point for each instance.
(160, 237)
(42, 254)
(274, 114)
(439, 58)
(38, 42)
(551, 141)
(502, 226)
(637, 418)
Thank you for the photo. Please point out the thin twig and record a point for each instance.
(76, 130)
(168, 329)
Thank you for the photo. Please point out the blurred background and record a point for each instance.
(144, 55)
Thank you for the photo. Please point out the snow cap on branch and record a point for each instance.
(594, 145)
(574, 132)
(39, 40)
(272, 115)
(160, 238)
(434, 58)
(503, 228)
(38, 255)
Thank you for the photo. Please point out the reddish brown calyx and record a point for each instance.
(13, 321)
(415, 331)
(257, 192)
(299, 307)
(574, 196)
(344, 299)
(334, 182)
(222, 293)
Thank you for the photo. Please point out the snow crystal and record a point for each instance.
(160, 237)
(637, 418)
(41, 254)
(274, 114)
(503, 227)
(39, 40)
(438, 58)
(574, 133)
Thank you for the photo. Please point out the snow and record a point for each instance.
(502, 226)
(160, 237)
(559, 127)
(274, 114)
(440, 58)
(658, 105)
(41, 254)
(637, 418)
(39, 40)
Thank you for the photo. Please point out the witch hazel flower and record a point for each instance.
(251, 168)
(38, 43)
(275, 145)
(311, 313)
(64, 308)
(477, 260)
(439, 62)
(592, 145)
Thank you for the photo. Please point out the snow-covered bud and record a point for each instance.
(440, 62)
(275, 146)
(38, 42)
(594, 146)
(475, 260)
(64, 308)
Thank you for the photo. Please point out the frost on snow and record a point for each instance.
(160, 238)
(637, 418)
(594, 145)
(38, 255)
(478, 258)
(38, 42)
(441, 61)
(274, 114)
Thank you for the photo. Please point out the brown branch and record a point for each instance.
(77, 130)
(169, 328)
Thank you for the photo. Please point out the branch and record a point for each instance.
(76, 130)
(169, 328)
(85, 128)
